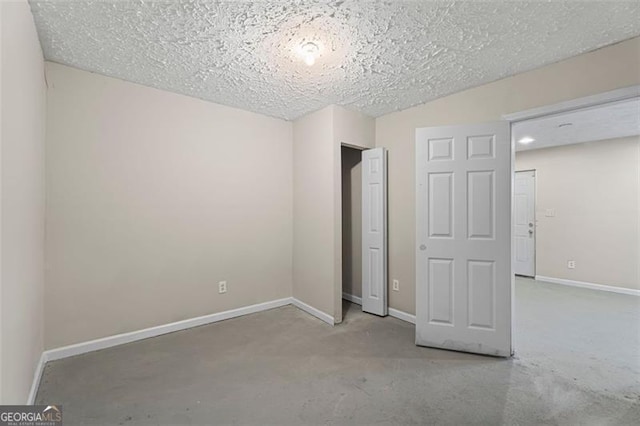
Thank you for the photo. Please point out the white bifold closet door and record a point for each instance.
(463, 240)
(374, 231)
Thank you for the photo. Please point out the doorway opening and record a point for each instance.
(575, 196)
(576, 233)
(351, 163)
(364, 229)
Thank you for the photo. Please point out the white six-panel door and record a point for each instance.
(463, 241)
(524, 223)
(374, 231)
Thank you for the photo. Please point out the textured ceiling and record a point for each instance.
(375, 57)
(608, 121)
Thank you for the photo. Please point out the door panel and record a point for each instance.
(374, 231)
(441, 194)
(525, 223)
(480, 205)
(463, 241)
(440, 291)
(482, 282)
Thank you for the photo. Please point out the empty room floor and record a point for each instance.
(577, 362)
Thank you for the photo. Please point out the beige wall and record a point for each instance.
(154, 197)
(313, 210)
(352, 221)
(593, 188)
(317, 247)
(599, 71)
(353, 128)
(22, 121)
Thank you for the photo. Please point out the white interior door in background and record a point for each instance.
(463, 241)
(374, 231)
(525, 223)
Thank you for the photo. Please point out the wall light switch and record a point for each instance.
(396, 285)
(571, 264)
(550, 213)
(222, 287)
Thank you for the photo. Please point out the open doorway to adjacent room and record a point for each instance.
(576, 238)
(576, 197)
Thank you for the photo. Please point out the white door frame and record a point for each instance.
(592, 101)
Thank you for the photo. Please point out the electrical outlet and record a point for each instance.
(571, 264)
(222, 287)
(396, 285)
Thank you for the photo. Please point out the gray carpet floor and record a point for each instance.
(577, 362)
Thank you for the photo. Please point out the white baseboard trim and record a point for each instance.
(401, 315)
(591, 286)
(351, 298)
(313, 311)
(37, 376)
(133, 336)
(120, 339)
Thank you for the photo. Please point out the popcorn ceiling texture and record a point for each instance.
(375, 57)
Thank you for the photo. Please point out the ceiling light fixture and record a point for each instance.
(526, 140)
(309, 52)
